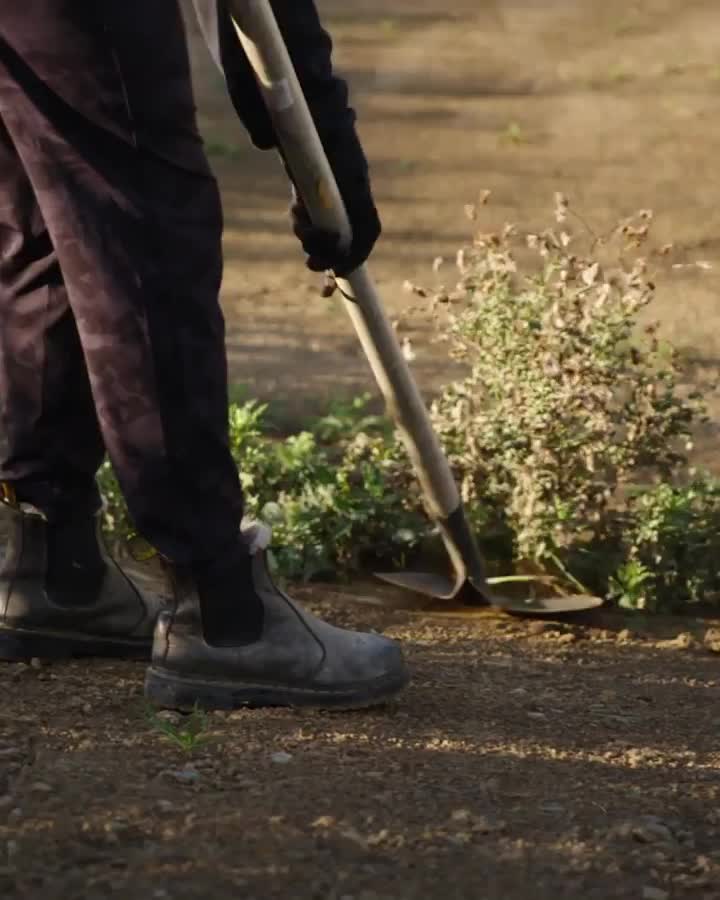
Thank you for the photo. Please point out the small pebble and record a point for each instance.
(461, 839)
(483, 825)
(41, 787)
(552, 808)
(649, 829)
(684, 641)
(654, 893)
(460, 815)
(183, 776)
(711, 640)
(10, 753)
(167, 715)
(281, 758)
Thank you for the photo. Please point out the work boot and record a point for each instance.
(61, 595)
(293, 659)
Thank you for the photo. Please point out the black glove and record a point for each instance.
(322, 247)
(310, 49)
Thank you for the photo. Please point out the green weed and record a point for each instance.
(189, 734)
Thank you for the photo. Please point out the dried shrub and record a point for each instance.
(566, 400)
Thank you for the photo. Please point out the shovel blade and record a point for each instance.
(428, 584)
(547, 606)
(442, 587)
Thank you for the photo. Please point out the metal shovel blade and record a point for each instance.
(548, 606)
(443, 587)
(427, 584)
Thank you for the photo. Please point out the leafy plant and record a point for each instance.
(673, 532)
(564, 401)
(188, 734)
(335, 523)
(331, 504)
(631, 585)
(348, 418)
(514, 133)
(331, 507)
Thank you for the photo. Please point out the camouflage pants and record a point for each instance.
(111, 335)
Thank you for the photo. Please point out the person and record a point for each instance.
(112, 341)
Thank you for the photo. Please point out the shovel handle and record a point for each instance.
(303, 153)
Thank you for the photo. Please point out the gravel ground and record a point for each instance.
(527, 759)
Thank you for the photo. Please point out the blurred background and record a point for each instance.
(614, 103)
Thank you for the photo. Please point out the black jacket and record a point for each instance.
(310, 49)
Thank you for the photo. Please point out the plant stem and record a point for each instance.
(509, 579)
(570, 577)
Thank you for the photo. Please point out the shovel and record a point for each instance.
(303, 153)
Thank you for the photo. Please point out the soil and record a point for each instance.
(527, 759)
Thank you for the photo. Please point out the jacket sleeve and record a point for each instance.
(310, 49)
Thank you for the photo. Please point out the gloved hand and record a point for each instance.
(351, 173)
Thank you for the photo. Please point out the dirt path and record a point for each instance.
(524, 761)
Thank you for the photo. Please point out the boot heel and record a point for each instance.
(164, 690)
(19, 647)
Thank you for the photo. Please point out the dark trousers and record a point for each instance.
(111, 335)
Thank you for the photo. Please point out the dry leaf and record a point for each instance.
(589, 275)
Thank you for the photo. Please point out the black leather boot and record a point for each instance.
(294, 660)
(61, 595)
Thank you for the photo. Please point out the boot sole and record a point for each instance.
(169, 691)
(18, 645)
